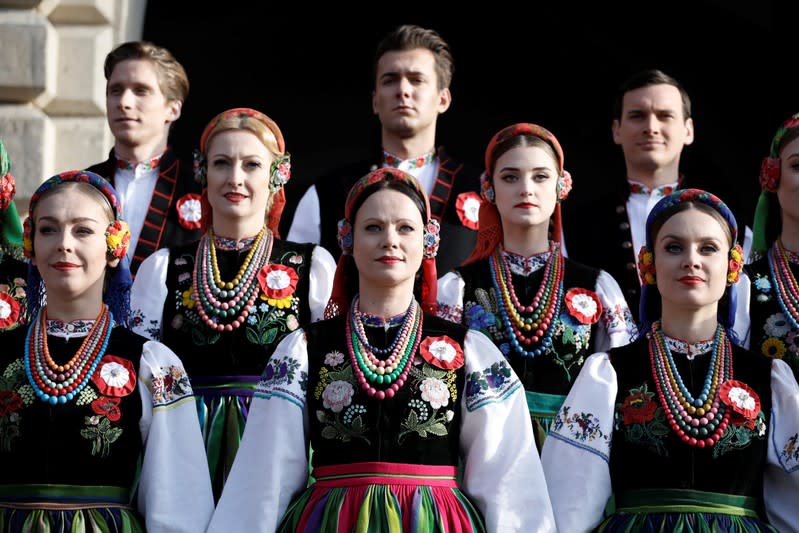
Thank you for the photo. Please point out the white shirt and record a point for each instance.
(135, 189)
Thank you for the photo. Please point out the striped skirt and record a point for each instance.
(687, 511)
(383, 498)
(66, 508)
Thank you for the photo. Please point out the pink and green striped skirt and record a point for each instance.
(383, 498)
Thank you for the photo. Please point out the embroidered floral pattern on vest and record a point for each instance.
(100, 429)
(433, 411)
(15, 394)
(342, 420)
(642, 420)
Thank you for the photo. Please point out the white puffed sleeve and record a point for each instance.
(577, 450)
(271, 466)
(502, 473)
(743, 322)
(175, 488)
(320, 281)
(450, 297)
(617, 324)
(781, 479)
(148, 295)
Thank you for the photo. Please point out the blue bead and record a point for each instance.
(62, 399)
(70, 395)
(53, 400)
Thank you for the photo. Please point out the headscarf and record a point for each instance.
(770, 171)
(340, 299)
(650, 303)
(489, 234)
(117, 293)
(10, 225)
(279, 172)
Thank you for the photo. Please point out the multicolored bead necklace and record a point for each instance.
(531, 325)
(787, 289)
(392, 371)
(224, 306)
(58, 384)
(699, 421)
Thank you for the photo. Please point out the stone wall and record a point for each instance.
(52, 88)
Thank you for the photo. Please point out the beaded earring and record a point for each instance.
(646, 266)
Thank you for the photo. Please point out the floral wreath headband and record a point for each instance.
(8, 186)
(770, 167)
(564, 184)
(280, 170)
(432, 227)
(117, 234)
(646, 258)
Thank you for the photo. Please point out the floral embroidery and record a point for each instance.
(114, 376)
(453, 313)
(493, 384)
(437, 390)
(762, 283)
(584, 305)
(99, 429)
(337, 395)
(583, 427)
(741, 435)
(642, 420)
(13, 304)
(467, 206)
(442, 352)
(336, 389)
(172, 384)
(777, 325)
(574, 338)
(773, 347)
(789, 456)
(189, 209)
(334, 358)
(15, 393)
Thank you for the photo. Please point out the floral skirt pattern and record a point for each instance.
(384, 498)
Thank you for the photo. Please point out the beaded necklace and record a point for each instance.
(529, 326)
(224, 306)
(699, 421)
(392, 371)
(58, 384)
(787, 289)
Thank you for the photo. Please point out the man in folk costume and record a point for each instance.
(413, 71)
(145, 91)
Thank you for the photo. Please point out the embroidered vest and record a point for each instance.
(457, 241)
(647, 453)
(245, 350)
(771, 333)
(404, 429)
(554, 371)
(161, 227)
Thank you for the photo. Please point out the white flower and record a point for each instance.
(443, 351)
(334, 358)
(5, 310)
(777, 325)
(471, 208)
(277, 279)
(450, 415)
(114, 374)
(741, 398)
(191, 210)
(337, 395)
(435, 392)
(585, 304)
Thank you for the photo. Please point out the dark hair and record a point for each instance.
(410, 37)
(172, 78)
(647, 78)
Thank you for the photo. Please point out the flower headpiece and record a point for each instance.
(339, 300)
(770, 173)
(646, 259)
(490, 235)
(10, 226)
(279, 171)
(117, 238)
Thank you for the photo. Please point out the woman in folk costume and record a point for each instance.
(772, 324)
(689, 431)
(98, 430)
(546, 313)
(225, 302)
(13, 269)
(391, 399)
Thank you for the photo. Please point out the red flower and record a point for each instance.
(109, 407)
(638, 408)
(7, 190)
(770, 173)
(9, 311)
(468, 208)
(442, 352)
(189, 209)
(114, 376)
(742, 400)
(10, 401)
(277, 281)
(584, 305)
